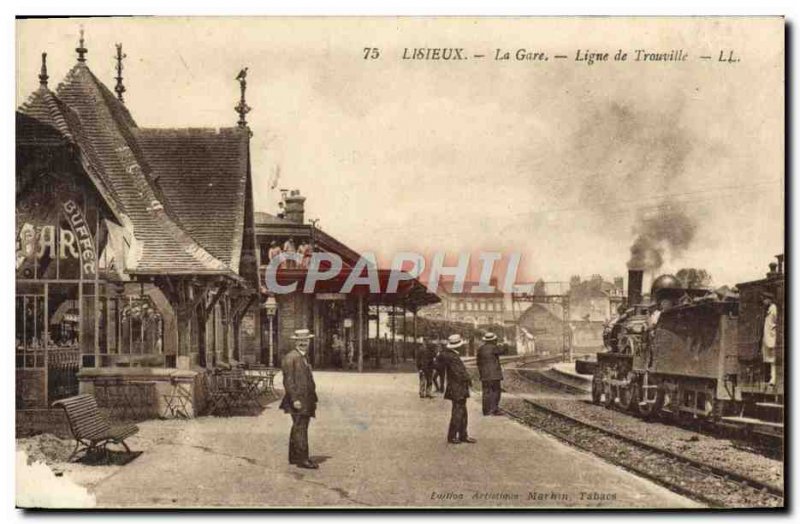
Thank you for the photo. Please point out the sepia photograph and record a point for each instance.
(362, 262)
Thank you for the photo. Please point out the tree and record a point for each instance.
(693, 278)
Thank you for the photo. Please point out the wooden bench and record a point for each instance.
(91, 429)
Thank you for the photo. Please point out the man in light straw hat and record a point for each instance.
(300, 400)
(457, 390)
(491, 373)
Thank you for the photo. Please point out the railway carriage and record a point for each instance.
(699, 356)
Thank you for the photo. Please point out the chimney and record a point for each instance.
(635, 286)
(773, 269)
(294, 207)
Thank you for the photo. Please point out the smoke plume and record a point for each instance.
(668, 230)
(640, 158)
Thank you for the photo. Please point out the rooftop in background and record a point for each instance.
(446, 286)
(269, 226)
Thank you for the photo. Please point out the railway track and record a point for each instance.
(519, 360)
(547, 381)
(711, 485)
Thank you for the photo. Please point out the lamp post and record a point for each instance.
(271, 308)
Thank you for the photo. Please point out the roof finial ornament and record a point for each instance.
(242, 108)
(81, 50)
(43, 74)
(119, 88)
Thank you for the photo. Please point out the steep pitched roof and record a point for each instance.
(552, 312)
(44, 120)
(108, 126)
(203, 173)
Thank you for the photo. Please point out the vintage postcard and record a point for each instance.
(414, 262)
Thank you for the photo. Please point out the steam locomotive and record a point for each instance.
(698, 353)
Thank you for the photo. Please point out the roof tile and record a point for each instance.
(203, 173)
(109, 128)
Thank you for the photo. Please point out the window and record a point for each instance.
(48, 323)
(140, 331)
(30, 326)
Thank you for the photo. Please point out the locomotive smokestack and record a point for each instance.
(635, 277)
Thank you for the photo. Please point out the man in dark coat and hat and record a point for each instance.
(300, 400)
(438, 371)
(457, 390)
(491, 373)
(424, 358)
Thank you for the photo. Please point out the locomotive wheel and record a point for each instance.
(608, 396)
(597, 391)
(650, 410)
(626, 398)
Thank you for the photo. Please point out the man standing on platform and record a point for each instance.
(300, 400)
(425, 355)
(491, 373)
(438, 371)
(457, 390)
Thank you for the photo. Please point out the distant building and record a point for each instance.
(590, 304)
(468, 306)
(544, 322)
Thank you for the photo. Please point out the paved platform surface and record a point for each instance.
(568, 370)
(379, 444)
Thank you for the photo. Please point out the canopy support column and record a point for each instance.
(414, 328)
(378, 341)
(360, 333)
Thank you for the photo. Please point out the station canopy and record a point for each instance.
(410, 293)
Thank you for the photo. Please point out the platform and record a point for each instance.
(565, 371)
(379, 445)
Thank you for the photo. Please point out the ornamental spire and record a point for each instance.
(119, 88)
(242, 108)
(81, 50)
(43, 74)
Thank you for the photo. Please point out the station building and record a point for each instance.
(346, 326)
(135, 247)
(137, 253)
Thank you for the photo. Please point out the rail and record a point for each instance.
(524, 360)
(730, 484)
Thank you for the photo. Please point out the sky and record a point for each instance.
(560, 161)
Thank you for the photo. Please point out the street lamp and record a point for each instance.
(271, 308)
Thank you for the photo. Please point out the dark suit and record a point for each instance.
(457, 391)
(491, 374)
(298, 381)
(424, 360)
(438, 375)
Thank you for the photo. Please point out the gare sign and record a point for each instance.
(75, 242)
